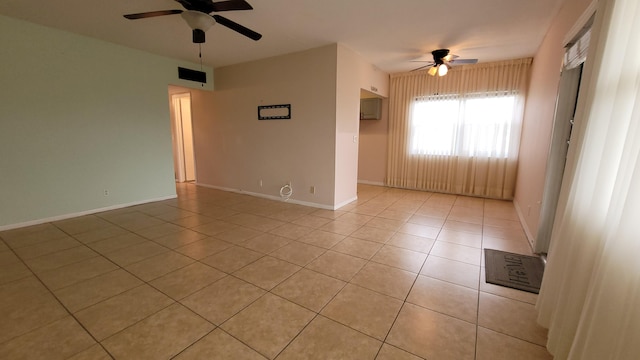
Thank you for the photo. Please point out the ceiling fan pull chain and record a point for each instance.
(200, 56)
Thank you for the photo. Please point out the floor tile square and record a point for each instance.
(26, 305)
(400, 258)
(73, 273)
(91, 291)
(364, 310)
(385, 279)
(60, 258)
(238, 235)
(13, 271)
(426, 220)
(114, 314)
(180, 238)
(266, 243)
(187, 280)
(160, 336)
(412, 242)
(511, 317)
(219, 345)
(327, 339)
(309, 289)
(340, 227)
(420, 230)
(461, 237)
(496, 346)
(298, 253)
(469, 255)
(221, 300)
(337, 265)
(389, 352)
(311, 221)
(82, 224)
(323, 239)
(161, 230)
(95, 352)
(214, 227)
(267, 272)
(452, 271)
(57, 340)
(463, 226)
(100, 234)
(135, 253)
(269, 324)
(356, 247)
(291, 231)
(46, 247)
(373, 234)
(446, 298)
(156, 266)
(117, 242)
(432, 335)
(232, 259)
(200, 249)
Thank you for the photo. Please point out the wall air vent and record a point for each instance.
(192, 75)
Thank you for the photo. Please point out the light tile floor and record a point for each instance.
(215, 275)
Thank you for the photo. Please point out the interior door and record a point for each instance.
(562, 126)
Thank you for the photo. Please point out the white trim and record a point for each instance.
(523, 223)
(580, 23)
(82, 213)
(367, 182)
(338, 206)
(277, 198)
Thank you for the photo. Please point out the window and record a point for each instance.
(475, 125)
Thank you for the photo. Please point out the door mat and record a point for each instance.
(522, 272)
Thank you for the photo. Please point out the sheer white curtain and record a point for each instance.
(590, 295)
(458, 133)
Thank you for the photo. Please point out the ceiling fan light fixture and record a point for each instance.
(433, 70)
(443, 69)
(198, 20)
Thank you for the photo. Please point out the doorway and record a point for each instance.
(566, 103)
(183, 153)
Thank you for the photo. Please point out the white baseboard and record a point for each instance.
(524, 225)
(277, 198)
(367, 182)
(82, 213)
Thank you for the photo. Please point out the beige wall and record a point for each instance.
(235, 150)
(80, 116)
(539, 113)
(354, 74)
(315, 148)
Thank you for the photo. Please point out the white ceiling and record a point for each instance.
(389, 34)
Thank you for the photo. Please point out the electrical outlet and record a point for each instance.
(106, 192)
(312, 189)
(260, 182)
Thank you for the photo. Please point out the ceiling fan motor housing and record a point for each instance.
(438, 55)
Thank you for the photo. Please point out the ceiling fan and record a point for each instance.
(442, 62)
(197, 14)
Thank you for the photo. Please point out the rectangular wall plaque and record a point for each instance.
(274, 112)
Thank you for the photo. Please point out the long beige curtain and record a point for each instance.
(590, 295)
(478, 173)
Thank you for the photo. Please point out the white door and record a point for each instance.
(562, 125)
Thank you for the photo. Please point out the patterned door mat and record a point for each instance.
(522, 272)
